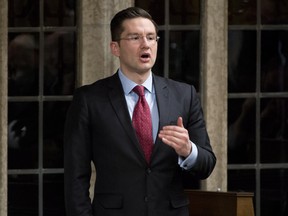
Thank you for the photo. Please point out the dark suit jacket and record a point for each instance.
(99, 129)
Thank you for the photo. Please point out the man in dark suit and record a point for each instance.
(101, 128)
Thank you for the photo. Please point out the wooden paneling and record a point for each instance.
(207, 203)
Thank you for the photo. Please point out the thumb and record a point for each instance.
(180, 122)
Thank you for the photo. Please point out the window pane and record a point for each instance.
(158, 68)
(241, 180)
(53, 126)
(274, 66)
(184, 12)
(22, 135)
(59, 13)
(242, 12)
(23, 13)
(23, 64)
(60, 63)
(274, 130)
(23, 195)
(53, 195)
(242, 61)
(274, 12)
(274, 192)
(184, 57)
(241, 130)
(156, 8)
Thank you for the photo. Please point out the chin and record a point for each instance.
(142, 72)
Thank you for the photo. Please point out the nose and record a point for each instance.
(144, 40)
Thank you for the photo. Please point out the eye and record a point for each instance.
(150, 37)
(134, 37)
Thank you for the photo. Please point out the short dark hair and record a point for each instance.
(116, 26)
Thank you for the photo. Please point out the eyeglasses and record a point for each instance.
(136, 39)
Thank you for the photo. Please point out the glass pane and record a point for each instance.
(23, 195)
(241, 180)
(59, 13)
(242, 61)
(60, 63)
(53, 126)
(274, 130)
(53, 195)
(274, 66)
(242, 12)
(22, 135)
(184, 12)
(274, 12)
(158, 68)
(184, 57)
(241, 130)
(23, 64)
(155, 8)
(274, 192)
(23, 13)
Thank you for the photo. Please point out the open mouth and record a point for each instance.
(145, 56)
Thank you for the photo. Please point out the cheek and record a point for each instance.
(155, 50)
(124, 54)
(154, 53)
(130, 54)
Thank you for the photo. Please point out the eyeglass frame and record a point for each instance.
(136, 38)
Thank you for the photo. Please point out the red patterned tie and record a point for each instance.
(142, 122)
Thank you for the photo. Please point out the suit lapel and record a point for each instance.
(162, 97)
(117, 99)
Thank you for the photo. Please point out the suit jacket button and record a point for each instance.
(148, 171)
(146, 199)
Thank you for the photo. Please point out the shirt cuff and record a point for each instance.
(188, 163)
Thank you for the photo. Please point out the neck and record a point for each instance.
(138, 78)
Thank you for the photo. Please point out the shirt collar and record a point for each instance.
(128, 84)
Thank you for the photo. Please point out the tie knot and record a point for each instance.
(139, 90)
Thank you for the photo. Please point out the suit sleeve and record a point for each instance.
(77, 158)
(195, 125)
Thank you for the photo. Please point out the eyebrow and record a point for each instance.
(131, 34)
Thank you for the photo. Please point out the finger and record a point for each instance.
(168, 132)
(171, 142)
(180, 122)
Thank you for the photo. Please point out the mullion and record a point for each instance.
(41, 91)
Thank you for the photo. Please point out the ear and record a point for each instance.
(114, 47)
